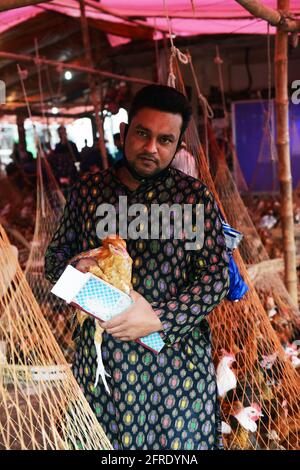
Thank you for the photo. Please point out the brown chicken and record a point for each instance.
(114, 263)
(114, 267)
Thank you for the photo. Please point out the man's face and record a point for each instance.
(152, 140)
(117, 143)
(62, 134)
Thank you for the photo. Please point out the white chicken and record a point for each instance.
(292, 353)
(248, 416)
(226, 428)
(271, 307)
(267, 362)
(226, 379)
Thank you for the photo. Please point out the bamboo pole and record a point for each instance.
(274, 17)
(285, 177)
(21, 131)
(12, 4)
(92, 83)
(70, 66)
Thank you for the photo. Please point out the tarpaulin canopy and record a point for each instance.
(208, 16)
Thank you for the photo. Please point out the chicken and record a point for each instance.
(267, 362)
(114, 263)
(226, 379)
(238, 428)
(226, 428)
(11, 270)
(248, 416)
(266, 389)
(292, 353)
(272, 308)
(240, 440)
(274, 439)
(114, 267)
(281, 423)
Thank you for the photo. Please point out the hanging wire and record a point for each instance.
(270, 121)
(40, 155)
(157, 61)
(39, 70)
(268, 124)
(193, 6)
(22, 75)
(207, 110)
(39, 73)
(219, 62)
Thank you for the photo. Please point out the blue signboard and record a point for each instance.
(254, 134)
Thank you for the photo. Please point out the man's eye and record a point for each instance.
(141, 133)
(165, 140)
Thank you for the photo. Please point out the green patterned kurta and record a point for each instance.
(169, 400)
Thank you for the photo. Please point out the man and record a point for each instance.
(91, 161)
(118, 144)
(66, 146)
(168, 400)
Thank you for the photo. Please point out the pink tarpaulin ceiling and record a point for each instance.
(209, 16)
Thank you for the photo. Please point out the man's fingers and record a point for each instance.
(122, 336)
(117, 321)
(116, 329)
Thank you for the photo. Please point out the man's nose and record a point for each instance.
(151, 146)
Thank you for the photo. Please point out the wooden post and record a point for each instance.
(95, 97)
(21, 131)
(71, 66)
(285, 177)
(12, 4)
(274, 17)
(94, 128)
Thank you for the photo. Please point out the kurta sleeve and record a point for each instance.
(208, 283)
(65, 243)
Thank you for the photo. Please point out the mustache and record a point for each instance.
(147, 155)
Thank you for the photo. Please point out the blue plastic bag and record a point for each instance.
(237, 285)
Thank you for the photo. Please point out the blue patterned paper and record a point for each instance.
(105, 302)
(153, 341)
(102, 300)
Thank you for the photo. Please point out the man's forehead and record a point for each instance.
(154, 119)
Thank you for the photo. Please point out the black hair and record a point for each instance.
(162, 98)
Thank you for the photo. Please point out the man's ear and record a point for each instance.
(123, 131)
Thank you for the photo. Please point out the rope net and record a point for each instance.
(49, 209)
(41, 405)
(16, 216)
(257, 381)
(283, 313)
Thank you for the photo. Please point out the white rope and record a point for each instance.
(175, 54)
(186, 59)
